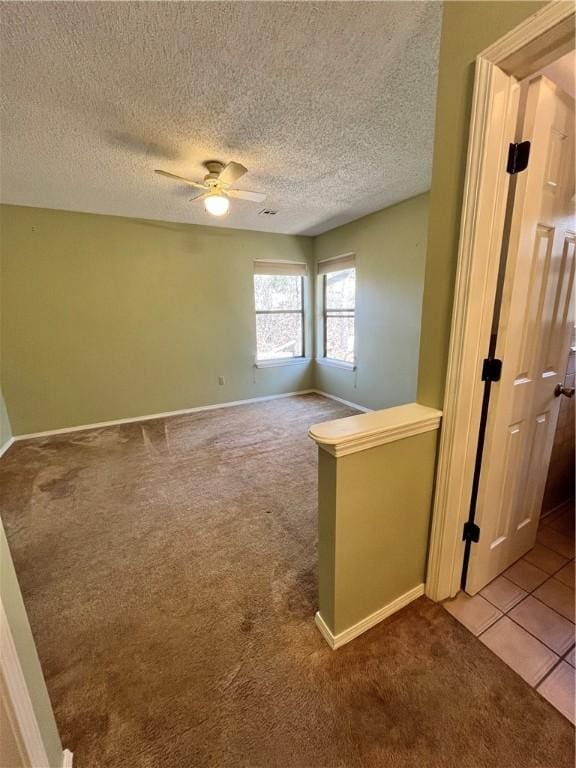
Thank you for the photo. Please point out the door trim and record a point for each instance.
(533, 44)
(19, 698)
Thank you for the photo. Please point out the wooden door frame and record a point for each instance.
(15, 687)
(538, 41)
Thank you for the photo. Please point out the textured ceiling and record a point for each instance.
(330, 106)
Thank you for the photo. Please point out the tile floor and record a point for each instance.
(526, 615)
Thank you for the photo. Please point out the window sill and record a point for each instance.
(281, 361)
(336, 363)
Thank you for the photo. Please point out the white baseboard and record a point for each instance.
(150, 417)
(6, 445)
(336, 641)
(324, 630)
(341, 400)
(181, 412)
(67, 759)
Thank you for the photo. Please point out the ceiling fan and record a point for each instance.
(216, 191)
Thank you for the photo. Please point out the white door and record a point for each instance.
(533, 339)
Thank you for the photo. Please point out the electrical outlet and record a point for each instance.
(220, 380)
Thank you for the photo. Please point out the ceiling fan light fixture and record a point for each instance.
(216, 193)
(217, 204)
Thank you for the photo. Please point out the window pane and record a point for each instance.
(341, 289)
(278, 292)
(279, 335)
(340, 337)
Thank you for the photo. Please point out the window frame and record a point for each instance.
(274, 361)
(340, 312)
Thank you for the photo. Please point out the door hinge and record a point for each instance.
(491, 369)
(518, 155)
(471, 532)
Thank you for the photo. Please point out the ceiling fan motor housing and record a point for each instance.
(214, 170)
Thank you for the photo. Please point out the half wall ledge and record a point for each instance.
(367, 430)
(375, 480)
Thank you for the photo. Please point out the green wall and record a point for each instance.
(13, 605)
(467, 28)
(390, 248)
(107, 318)
(374, 517)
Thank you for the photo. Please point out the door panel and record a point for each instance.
(534, 326)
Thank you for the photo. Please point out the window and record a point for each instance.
(338, 278)
(279, 300)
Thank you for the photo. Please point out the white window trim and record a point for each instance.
(276, 362)
(301, 271)
(333, 363)
(324, 267)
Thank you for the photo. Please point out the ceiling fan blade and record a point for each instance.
(245, 194)
(181, 178)
(231, 173)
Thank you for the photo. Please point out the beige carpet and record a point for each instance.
(169, 573)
